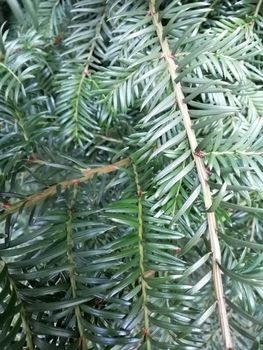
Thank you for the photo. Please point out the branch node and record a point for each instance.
(146, 332)
(199, 153)
(86, 72)
(151, 13)
(75, 181)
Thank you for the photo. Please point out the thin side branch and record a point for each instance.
(242, 153)
(203, 178)
(25, 324)
(83, 341)
(259, 4)
(146, 331)
(86, 73)
(52, 190)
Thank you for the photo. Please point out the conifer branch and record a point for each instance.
(202, 175)
(236, 152)
(72, 277)
(25, 324)
(52, 190)
(141, 252)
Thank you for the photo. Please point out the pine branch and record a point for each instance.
(202, 174)
(51, 191)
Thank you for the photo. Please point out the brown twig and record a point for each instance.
(203, 178)
(52, 190)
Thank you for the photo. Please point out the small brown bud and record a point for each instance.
(146, 332)
(57, 39)
(200, 153)
(31, 158)
(178, 250)
(86, 72)
(151, 13)
(75, 182)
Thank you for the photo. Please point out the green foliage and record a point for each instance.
(93, 257)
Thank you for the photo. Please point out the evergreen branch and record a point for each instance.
(52, 16)
(52, 190)
(85, 74)
(93, 46)
(202, 174)
(83, 339)
(22, 126)
(243, 153)
(25, 324)
(77, 120)
(76, 107)
(11, 73)
(141, 252)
